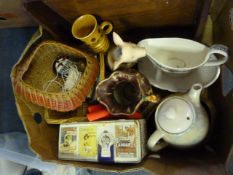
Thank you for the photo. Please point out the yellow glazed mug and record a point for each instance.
(86, 29)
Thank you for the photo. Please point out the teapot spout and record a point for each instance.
(195, 93)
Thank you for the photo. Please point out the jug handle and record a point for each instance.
(217, 49)
(153, 144)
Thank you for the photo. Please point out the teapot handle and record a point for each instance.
(153, 144)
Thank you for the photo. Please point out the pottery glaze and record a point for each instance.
(87, 29)
(124, 91)
(181, 121)
(181, 56)
(166, 81)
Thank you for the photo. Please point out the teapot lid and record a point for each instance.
(175, 115)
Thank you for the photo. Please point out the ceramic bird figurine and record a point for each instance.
(125, 52)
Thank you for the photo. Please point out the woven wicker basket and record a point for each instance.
(30, 74)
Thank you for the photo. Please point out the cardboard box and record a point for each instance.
(209, 158)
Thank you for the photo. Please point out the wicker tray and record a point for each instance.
(30, 74)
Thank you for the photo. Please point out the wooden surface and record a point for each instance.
(202, 19)
(55, 24)
(136, 16)
(133, 19)
(12, 14)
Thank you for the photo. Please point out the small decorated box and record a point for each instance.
(119, 141)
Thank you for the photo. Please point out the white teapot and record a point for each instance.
(181, 121)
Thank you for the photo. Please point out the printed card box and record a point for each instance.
(119, 141)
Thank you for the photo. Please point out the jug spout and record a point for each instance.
(195, 93)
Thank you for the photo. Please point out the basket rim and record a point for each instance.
(75, 88)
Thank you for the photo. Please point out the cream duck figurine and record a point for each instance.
(124, 52)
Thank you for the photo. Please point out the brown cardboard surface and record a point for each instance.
(223, 34)
(229, 162)
(44, 141)
(44, 138)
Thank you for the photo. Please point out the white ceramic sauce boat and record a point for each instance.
(181, 56)
(181, 121)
